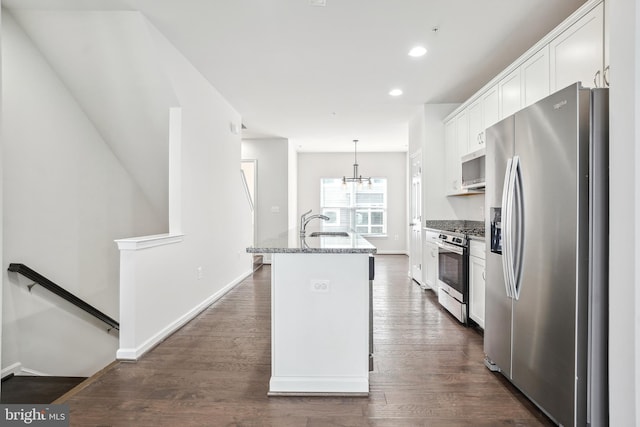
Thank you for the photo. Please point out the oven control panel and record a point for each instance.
(454, 239)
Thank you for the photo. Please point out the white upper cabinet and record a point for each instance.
(578, 53)
(574, 51)
(509, 92)
(453, 168)
(476, 127)
(462, 132)
(535, 77)
(472, 122)
(607, 28)
(491, 106)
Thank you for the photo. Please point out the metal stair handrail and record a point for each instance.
(62, 293)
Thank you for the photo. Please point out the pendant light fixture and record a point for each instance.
(356, 177)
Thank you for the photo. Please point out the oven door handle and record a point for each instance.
(451, 248)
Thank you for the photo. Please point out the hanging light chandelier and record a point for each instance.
(356, 177)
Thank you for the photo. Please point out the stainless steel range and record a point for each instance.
(453, 273)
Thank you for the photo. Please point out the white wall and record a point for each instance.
(105, 60)
(272, 207)
(393, 166)
(1, 181)
(426, 131)
(66, 198)
(293, 186)
(162, 287)
(624, 265)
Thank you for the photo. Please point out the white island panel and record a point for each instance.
(320, 323)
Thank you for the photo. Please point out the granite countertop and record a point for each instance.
(473, 229)
(290, 242)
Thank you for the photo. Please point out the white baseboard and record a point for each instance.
(14, 369)
(32, 372)
(132, 354)
(17, 369)
(318, 385)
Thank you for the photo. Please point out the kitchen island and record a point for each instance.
(320, 313)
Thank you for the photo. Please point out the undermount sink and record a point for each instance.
(329, 233)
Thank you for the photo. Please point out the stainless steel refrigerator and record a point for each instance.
(546, 269)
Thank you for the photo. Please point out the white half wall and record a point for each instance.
(393, 166)
(166, 283)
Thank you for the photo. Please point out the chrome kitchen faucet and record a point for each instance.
(304, 221)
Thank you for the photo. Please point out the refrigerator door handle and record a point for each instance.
(517, 244)
(510, 263)
(506, 231)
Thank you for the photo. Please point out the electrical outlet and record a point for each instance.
(321, 286)
(199, 273)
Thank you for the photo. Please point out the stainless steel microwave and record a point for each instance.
(473, 175)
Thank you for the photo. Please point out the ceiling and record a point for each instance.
(321, 75)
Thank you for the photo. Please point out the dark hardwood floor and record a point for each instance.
(36, 389)
(215, 371)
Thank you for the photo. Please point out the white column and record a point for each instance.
(624, 285)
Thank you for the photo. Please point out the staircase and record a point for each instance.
(36, 389)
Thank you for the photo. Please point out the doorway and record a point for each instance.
(415, 220)
(248, 174)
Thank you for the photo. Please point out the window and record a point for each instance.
(355, 207)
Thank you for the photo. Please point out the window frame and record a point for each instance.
(335, 210)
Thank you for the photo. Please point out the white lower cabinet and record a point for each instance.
(430, 260)
(477, 282)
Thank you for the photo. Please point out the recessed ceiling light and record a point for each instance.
(395, 92)
(417, 51)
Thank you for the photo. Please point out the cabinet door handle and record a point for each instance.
(484, 277)
(605, 75)
(596, 76)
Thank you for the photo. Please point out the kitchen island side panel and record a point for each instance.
(320, 323)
